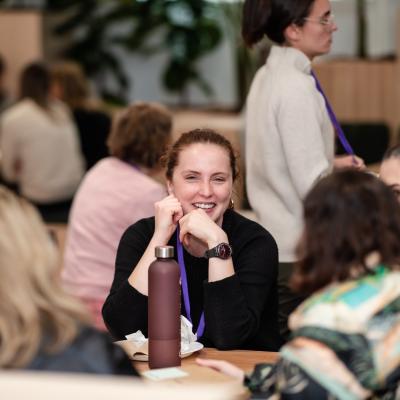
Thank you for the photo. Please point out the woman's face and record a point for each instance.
(203, 179)
(56, 90)
(390, 174)
(314, 38)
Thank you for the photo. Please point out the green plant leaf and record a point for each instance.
(185, 29)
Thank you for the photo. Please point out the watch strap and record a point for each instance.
(221, 250)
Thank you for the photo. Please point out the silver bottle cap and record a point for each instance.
(164, 251)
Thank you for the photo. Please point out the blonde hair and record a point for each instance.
(73, 82)
(35, 312)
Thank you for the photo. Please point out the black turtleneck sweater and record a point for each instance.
(240, 311)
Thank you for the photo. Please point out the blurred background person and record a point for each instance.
(5, 100)
(41, 327)
(40, 146)
(70, 85)
(118, 191)
(345, 340)
(289, 132)
(389, 170)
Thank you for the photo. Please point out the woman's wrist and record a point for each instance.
(159, 239)
(217, 238)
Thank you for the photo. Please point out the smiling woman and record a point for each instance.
(230, 262)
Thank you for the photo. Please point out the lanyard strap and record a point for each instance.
(185, 290)
(134, 166)
(339, 131)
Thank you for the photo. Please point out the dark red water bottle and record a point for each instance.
(164, 324)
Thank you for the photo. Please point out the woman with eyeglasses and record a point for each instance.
(289, 131)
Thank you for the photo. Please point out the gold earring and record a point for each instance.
(231, 204)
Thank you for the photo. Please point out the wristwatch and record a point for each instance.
(222, 251)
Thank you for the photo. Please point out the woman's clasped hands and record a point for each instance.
(167, 213)
(194, 226)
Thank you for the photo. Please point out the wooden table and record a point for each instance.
(244, 359)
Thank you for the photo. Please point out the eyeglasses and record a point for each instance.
(329, 20)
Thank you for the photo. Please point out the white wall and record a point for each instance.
(381, 17)
(345, 38)
(217, 68)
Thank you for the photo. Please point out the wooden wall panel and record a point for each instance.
(362, 90)
(21, 42)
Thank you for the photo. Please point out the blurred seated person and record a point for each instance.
(118, 191)
(40, 147)
(390, 169)
(41, 327)
(345, 341)
(230, 262)
(69, 84)
(5, 100)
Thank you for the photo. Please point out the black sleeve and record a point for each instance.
(91, 351)
(235, 306)
(125, 309)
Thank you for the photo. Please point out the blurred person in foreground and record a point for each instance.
(69, 84)
(41, 327)
(389, 170)
(345, 341)
(40, 147)
(118, 191)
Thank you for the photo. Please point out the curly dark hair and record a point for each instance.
(170, 159)
(348, 215)
(141, 134)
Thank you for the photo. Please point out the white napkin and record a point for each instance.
(187, 335)
(140, 342)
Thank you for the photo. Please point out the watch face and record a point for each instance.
(224, 251)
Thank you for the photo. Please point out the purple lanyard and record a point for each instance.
(181, 261)
(335, 122)
(134, 166)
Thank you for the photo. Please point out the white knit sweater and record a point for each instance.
(45, 144)
(289, 144)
